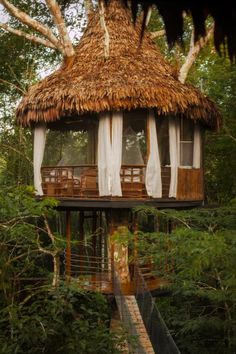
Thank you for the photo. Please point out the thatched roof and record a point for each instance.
(133, 76)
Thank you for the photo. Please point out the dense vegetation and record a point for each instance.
(198, 257)
(37, 317)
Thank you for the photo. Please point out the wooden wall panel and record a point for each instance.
(190, 184)
(165, 177)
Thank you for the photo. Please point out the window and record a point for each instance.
(163, 140)
(72, 143)
(186, 142)
(134, 148)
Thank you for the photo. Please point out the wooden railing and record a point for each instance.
(82, 181)
(91, 272)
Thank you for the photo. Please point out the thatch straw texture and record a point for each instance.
(133, 76)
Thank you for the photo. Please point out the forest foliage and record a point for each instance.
(198, 260)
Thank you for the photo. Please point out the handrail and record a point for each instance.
(91, 165)
(81, 181)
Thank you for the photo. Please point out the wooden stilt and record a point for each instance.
(81, 240)
(94, 229)
(68, 244)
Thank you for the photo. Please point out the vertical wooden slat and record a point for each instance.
(68, 243)
(190, 184)
(81, 238)
(94, 228)
(135, 232)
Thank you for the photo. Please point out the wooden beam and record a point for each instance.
(102, 204)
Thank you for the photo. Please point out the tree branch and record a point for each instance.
(13, 85)
(149, 14)
(30, 37)
(61, 26)
(30, 22)
(49, 232)
(157, 34)
(193, 53)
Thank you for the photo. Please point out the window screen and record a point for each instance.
(186, 142)
(134, 146)
(68, 147)
(163, 140)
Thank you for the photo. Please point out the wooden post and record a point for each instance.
(94, 228)
(81, 241)
(68, 244)
(135, 261)
(135, 230)
(111, 229)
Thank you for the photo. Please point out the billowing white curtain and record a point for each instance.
(104, 155)
(153, 170)
(197, 147)
(174, 145)
(116, 151)
(39, 146)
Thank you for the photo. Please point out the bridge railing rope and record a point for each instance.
(160, 337)
(137, 339)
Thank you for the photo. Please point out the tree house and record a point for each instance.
(114, 128)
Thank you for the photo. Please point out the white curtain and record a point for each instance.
(174, 144)
(39, 146)
(116, 151)
(153, 170)
(197, 147)
(104, 155)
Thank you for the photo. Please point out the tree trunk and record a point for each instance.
(104, 27)
(193, 53)
(61, 26)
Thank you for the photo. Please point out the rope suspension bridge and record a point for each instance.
(137, 308)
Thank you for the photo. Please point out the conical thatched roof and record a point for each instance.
(131, 77)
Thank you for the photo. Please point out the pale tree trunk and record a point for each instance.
(61, 26)
(53, 253)
(193, 53)
(104, 27)
(149, 14)
(56, 270)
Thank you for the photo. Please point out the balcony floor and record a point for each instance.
(66, 203)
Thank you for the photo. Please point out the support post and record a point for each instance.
(68, 244)
(94, 228)
(82, 264)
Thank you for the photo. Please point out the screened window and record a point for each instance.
(74, 143)
(186, 142)
(134, 146)
(163, 140)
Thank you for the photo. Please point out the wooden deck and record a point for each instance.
(77, 186)
(96, 273)
(102, 282)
